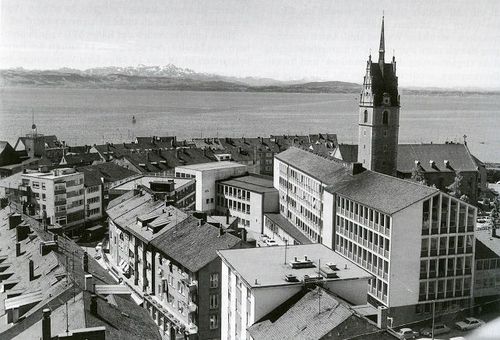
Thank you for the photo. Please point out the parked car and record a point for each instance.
(439, 328)
(469, 323)
(407, 333)
(271, 243)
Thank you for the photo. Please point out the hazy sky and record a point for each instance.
(437, 43)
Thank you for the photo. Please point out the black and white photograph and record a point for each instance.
(254, 170)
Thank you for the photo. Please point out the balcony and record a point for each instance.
(60, 191)
(60, 202)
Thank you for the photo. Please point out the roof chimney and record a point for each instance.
(432, 163)
(46, 330)
(446, 163)
(88, 283)
(417, 162)
(31, 268)
(18, 249)
(93, 304)
(85, 262)
(221, 231)
(227, 216)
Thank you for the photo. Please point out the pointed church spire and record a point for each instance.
(381, 50)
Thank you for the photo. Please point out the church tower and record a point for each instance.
(379, 114)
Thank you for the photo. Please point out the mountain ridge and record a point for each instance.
(172, 77)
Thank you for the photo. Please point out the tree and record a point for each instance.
(417, 175)
(455, 188)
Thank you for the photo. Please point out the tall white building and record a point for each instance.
(206, 175)
(417, 241)
(257, 280)
(60, 193)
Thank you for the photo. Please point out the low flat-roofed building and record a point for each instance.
(180, 192)
(248, 198)
(206, 175)
(487, 263)
(258, 280)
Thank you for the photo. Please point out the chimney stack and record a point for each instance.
(93, 305)
(18, 249)
(85, 262)
(227, 216)
(46, 330)
(493, 231)
(88, 283)
(31, 268)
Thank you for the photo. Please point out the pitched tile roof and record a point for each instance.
(458, 156)
(301, 317)
(326, 170)
(109, 171)
(349, 152)
(381, 192)
(194, 245)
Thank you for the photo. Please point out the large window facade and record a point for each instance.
(301, 201)
(363, 235)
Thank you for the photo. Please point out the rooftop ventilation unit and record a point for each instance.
(291, 278)
(301, 264)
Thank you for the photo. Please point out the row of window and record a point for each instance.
(366, 258)
(363, 235)
(235, 192)
(93, 200)
(359, 211)
(460, 265)
(443, 214)
(446, 245)
(445, 288)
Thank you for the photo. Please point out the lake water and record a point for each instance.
(88, 116)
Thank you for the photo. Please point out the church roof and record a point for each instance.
(457, 155)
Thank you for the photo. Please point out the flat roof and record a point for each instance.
(266, 264)
(255, 183)
(132, 182)
(211, 166)
(50, 174)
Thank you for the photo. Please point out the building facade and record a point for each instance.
(169, 259)
(206, 175)
(247, 198)
(255, 281)
(379, 114)
(60, 193)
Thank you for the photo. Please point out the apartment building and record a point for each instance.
(206, 175)
(170, 260)
(93, 197)
(180, 192)
(255, 281)
(418, 242)
(301, 177)
(60, 193)
(248, 198)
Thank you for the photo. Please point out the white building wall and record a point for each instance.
(404, 262)
(329, 219)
